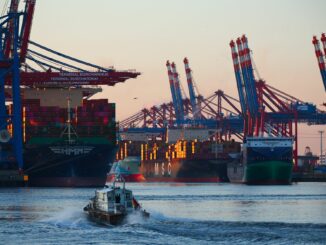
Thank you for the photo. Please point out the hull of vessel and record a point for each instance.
(185, 170)
(184, 180)
(235, 172)
(261, 173)
(177, 170)
(181, 161)
(265, 161)
(268, 172)
(66, 166)
(127, 177)
(128, 169)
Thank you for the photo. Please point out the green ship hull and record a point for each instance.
(268, 172)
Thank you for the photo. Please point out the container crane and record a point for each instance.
(191, 88)
(177, 88)
(283, 111)
(62, 70)
(8, 41)
(320, 56)
(172, 88)
(248, 95)
(15, 28)
(26, 28)
(239, 79)
(250, 74)
(9, 66)
(55, 72)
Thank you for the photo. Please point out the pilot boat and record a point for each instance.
(112, 204)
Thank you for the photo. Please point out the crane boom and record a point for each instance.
(192, 95)
(320, 58)
(178, 92)
(8, 43)
(70, 57)
(238, 77)
(250, 73)
(172, 88)
(245, 76)
(50, 78)
(26, 28)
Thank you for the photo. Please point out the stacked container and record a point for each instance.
(94, 118)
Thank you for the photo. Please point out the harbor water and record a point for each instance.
(180, 214)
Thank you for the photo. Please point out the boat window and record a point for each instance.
(109, 196)
(127, 196)
(117, 198)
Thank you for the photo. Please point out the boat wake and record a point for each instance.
(233, 197)
(162, 229)
(135, 218)
(70, 217)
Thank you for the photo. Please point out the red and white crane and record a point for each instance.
(191, 88)
(320, 56)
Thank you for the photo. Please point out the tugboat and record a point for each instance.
(112, 204)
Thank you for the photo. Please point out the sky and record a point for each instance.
(143, 34)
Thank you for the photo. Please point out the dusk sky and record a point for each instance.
(143, 34)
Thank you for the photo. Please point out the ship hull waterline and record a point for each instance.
(59, 170)
(268, 173)
(177, 170)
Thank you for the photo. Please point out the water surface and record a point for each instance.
(180, 214)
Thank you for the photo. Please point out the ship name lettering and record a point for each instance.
(156, 168)
(71, 151)
(163, 168)
(169, 168)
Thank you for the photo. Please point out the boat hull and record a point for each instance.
(128, 168)
(261, 173)
(48, 168)
(186, 170)
(177, 170)
(112, 218)
(268, 173)
(106, 218)
(264, 161)
(181, 161)
(127, 177)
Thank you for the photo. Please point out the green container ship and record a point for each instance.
(264, 161)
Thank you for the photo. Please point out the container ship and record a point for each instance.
(69, 139)
(264, 160)
(184, 155)
(128, 168)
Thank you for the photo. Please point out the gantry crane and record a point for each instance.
(191, 88)
(22, 65)
(321, 56)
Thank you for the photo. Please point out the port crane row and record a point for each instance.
(259, 104)
(24, 63)
(219, 107)
(260, 108)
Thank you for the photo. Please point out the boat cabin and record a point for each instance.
(114, 199)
